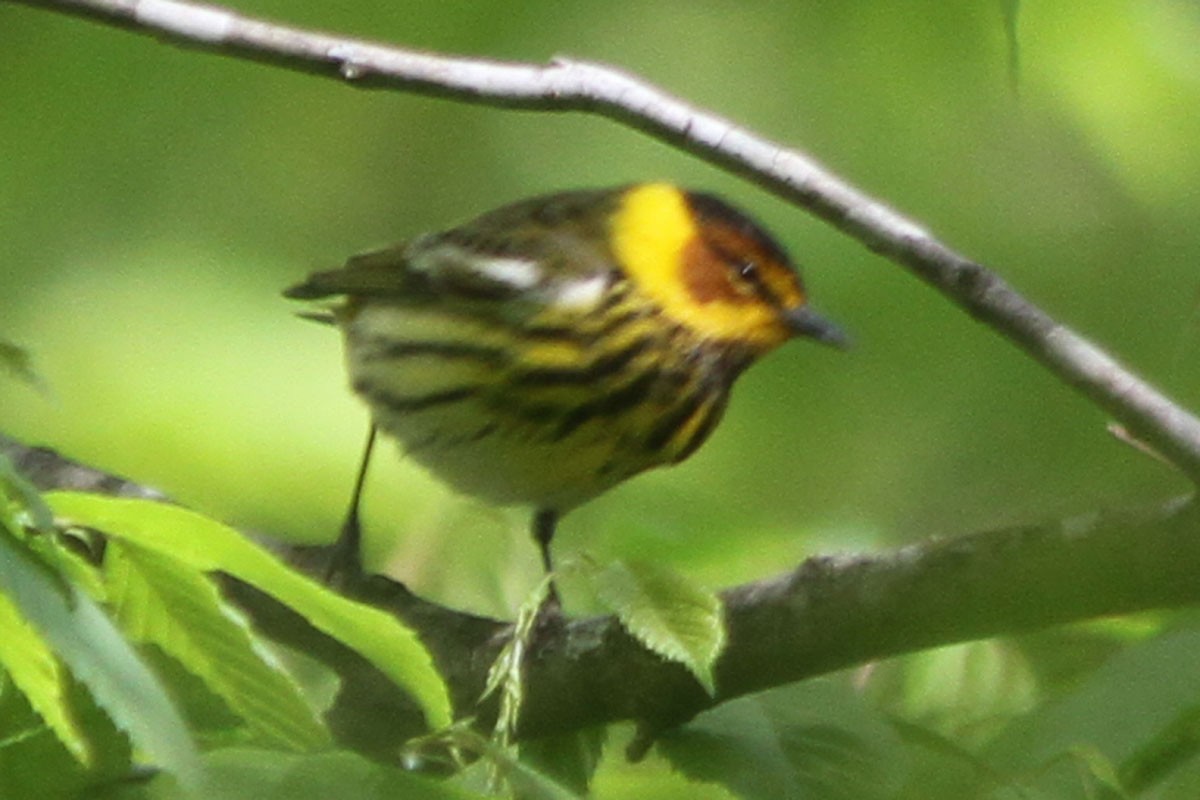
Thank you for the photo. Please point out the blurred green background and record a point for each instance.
(154, 201)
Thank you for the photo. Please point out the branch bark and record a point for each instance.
(569, 85)
(826, 614)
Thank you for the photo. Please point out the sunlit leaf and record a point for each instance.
(34, 669)
(667, 613)
(159, 600)
(208, 545)
(100, 658)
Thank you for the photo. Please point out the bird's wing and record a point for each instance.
(377, 274)
(528, 251)
(428, 268)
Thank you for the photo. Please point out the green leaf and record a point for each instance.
(1167, 752)
(667, 613)
(569, 758)
(100, 658)
(263, 775)
(25, 500)
(498, 766)
(1100, 770)
(967, 690)
(35, 764)
(159, 600)
(1120, 712)
(1182, 784)
(34, 669)
(524, 781)
(815, 739)
(939, 766)
(209, 545)
(252, 774)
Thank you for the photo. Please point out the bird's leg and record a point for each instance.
(345, 558)
(545, 522)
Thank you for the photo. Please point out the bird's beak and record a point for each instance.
(803, 321)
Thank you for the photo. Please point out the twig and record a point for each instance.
(567, 85)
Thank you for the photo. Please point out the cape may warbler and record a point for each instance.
(550, 349)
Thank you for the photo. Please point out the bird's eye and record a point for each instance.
(747, 269)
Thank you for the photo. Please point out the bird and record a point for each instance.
(550, 349)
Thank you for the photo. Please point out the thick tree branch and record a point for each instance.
(827, 614)
(567, 85)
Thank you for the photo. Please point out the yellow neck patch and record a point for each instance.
(651, 230)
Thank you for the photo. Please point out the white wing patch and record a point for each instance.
(583, 293)
(462, 266)
(514, 272)
(517, 274)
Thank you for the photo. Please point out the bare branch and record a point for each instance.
(827, 614)
(568, 85)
